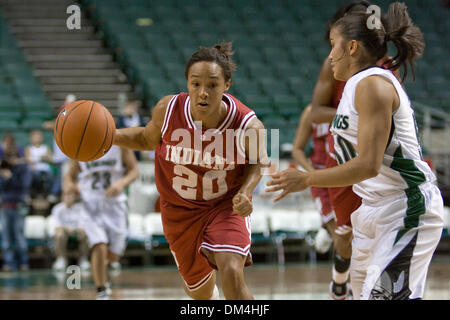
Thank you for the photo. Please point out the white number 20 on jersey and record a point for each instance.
(187, 187)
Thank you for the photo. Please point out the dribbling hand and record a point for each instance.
(242, 204)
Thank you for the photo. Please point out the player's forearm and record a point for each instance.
(252, 177)
(129, 177)
(69, 182)
(322, 114)
(132, 138)
(347, 174)
(300, 157)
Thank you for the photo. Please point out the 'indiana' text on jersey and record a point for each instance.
(194, 170)
(340, 122)
(180, 155)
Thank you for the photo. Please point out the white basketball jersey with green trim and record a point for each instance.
(403, 166)
(96, 176)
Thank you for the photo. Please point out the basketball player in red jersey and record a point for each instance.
(205, 178)
(317, 160)
(326, 97)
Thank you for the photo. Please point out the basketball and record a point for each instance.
(84, 130)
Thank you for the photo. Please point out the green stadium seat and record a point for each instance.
(35, 101)
(155, 89)
(180, 84)
(8, 101)
(174, 70)
(247, 55)
(267, 40)
(41, 114)
(258, 70)
(208, 39)
(157, 39)
(184, 39)
(272, 86)
(22, 137)
(275, 55)
(11, 115)
(257, 101)
(31, 124)
(247, 86)
(167, 56)
(301, 54)
(8, 124)
(5, 89)
(287, 105)
(275, 122)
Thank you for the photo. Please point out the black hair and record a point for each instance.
(220, 53)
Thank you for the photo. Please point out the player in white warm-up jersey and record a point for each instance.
(399, 223)
(101, 184)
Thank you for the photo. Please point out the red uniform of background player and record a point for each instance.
(317, 160)
(326, 97)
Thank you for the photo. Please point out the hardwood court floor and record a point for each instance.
(271, 282)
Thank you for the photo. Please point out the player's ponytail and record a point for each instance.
(406, 36)
(220, 53)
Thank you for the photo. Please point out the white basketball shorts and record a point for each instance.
(107, 223)
(394, 241)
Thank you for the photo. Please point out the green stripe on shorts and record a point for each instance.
(416, 201)
(416, 207)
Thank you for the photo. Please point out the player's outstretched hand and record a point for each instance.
(289, 180)
(242, 204)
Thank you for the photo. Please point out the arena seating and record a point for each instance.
(23, 102)
(279, 48)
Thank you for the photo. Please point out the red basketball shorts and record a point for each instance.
(344, 201)
(218, 229)
(323, 203)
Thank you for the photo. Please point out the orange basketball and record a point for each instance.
(84, 130)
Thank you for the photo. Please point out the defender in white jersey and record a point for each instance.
(399, 223)
(101, 184)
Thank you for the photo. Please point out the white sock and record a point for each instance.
(215, 295)
(339, 277)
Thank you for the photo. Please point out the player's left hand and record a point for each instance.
(289, 180)
(242, 204)
(114, 190)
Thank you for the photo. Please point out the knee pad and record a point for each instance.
(340, 264)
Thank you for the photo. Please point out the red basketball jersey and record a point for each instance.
(198, 168)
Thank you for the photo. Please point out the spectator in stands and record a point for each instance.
(68, 218)
(130, 117)
(15, 180)
(39, 156)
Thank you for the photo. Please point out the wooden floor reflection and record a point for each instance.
(272, 282)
